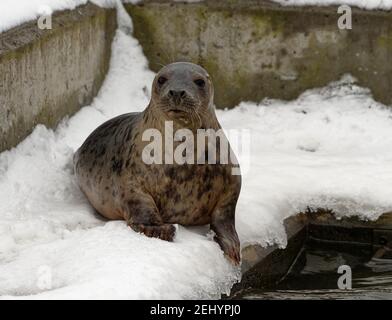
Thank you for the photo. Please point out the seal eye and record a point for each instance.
(162, 80)
(200, 83)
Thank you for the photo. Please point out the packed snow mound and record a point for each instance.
(364, 4)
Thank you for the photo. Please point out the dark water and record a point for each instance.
(316, 277)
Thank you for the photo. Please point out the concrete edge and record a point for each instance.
(28, 32)
(250, 5)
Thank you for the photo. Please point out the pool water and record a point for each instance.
(314, 275)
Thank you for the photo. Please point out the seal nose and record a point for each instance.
(177, 94)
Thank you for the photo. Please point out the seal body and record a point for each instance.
(113, 173)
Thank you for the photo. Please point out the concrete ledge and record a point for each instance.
(256, 49)
(46, 75)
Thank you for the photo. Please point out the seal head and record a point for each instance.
(183, 91)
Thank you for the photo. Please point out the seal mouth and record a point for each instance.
(177, 111)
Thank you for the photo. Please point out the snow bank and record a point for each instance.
(364, 4)
(330, 148)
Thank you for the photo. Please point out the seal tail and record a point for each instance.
(124, 21)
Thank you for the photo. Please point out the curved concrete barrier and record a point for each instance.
(256, 49)
(48, 74)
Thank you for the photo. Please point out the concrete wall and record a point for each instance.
(46, 75)
(252, 48)
(255, 49)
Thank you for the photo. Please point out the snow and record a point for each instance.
(330, 148)
(16, 12)
(364, 4)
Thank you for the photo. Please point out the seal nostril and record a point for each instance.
(171, 93)
(182, 94)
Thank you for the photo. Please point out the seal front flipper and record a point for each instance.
(223, 224)
(142, 216)
(163, 232)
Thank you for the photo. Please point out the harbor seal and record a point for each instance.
(152, 197)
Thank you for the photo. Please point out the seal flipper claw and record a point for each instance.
(164, 232)
(143, 216)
